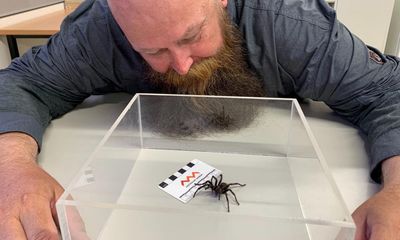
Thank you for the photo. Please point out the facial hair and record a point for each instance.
(225, 74)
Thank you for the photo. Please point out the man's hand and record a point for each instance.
(27, 193)
(379, 217)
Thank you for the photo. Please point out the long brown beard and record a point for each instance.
(227, 73)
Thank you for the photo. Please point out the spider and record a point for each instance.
(218, 187)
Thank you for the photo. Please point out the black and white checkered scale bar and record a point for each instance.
(174, 176)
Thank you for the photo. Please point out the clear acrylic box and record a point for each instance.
(265, 143)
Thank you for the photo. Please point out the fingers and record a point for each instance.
(361, 226)
(76, 224)
(380, 232)
(360, 233)
(57, 194)
(11, 229)
(37, 219)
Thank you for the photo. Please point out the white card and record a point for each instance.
(182, 184)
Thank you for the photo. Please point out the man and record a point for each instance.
(294, 48)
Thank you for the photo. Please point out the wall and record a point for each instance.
(368, 19)
(393, 42)
(9, 7)
(368, 28)
(4, 54)
(23, 44)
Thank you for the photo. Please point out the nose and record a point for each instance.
(181, 61)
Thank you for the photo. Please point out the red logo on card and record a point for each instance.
(188, 178)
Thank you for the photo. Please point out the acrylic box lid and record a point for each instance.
(264, 143)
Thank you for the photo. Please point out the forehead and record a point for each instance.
(146, 21)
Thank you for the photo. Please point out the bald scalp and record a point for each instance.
(159, 11)
(142, 20)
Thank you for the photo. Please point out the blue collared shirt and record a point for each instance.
(297, 47)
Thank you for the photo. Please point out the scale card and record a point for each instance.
(182, 184)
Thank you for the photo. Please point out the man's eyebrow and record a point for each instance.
(192, 30)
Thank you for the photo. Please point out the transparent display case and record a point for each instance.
(265, 143)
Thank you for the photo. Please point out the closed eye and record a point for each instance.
(156, 53)
(192, 39)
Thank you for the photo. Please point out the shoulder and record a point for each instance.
(88, 15)
(314, 12)
(92, 25)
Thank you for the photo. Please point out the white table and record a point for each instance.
(69, 141)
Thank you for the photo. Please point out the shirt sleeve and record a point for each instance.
(363, 85)
(52, 79)
(357, 81)
(366, 91)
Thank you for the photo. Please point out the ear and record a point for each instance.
(224, 3)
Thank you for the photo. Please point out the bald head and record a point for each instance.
(171, 34)
(157, 10)
(191, 45)
(156, 15)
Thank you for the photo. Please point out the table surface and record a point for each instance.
(47, 24)
(69, 141)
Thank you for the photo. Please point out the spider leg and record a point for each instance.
(204, 185)
(229, 190)
(207, 184)
(220, 179)
(214, 185)
(227, 201)
(236, 184)
(216, 181)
